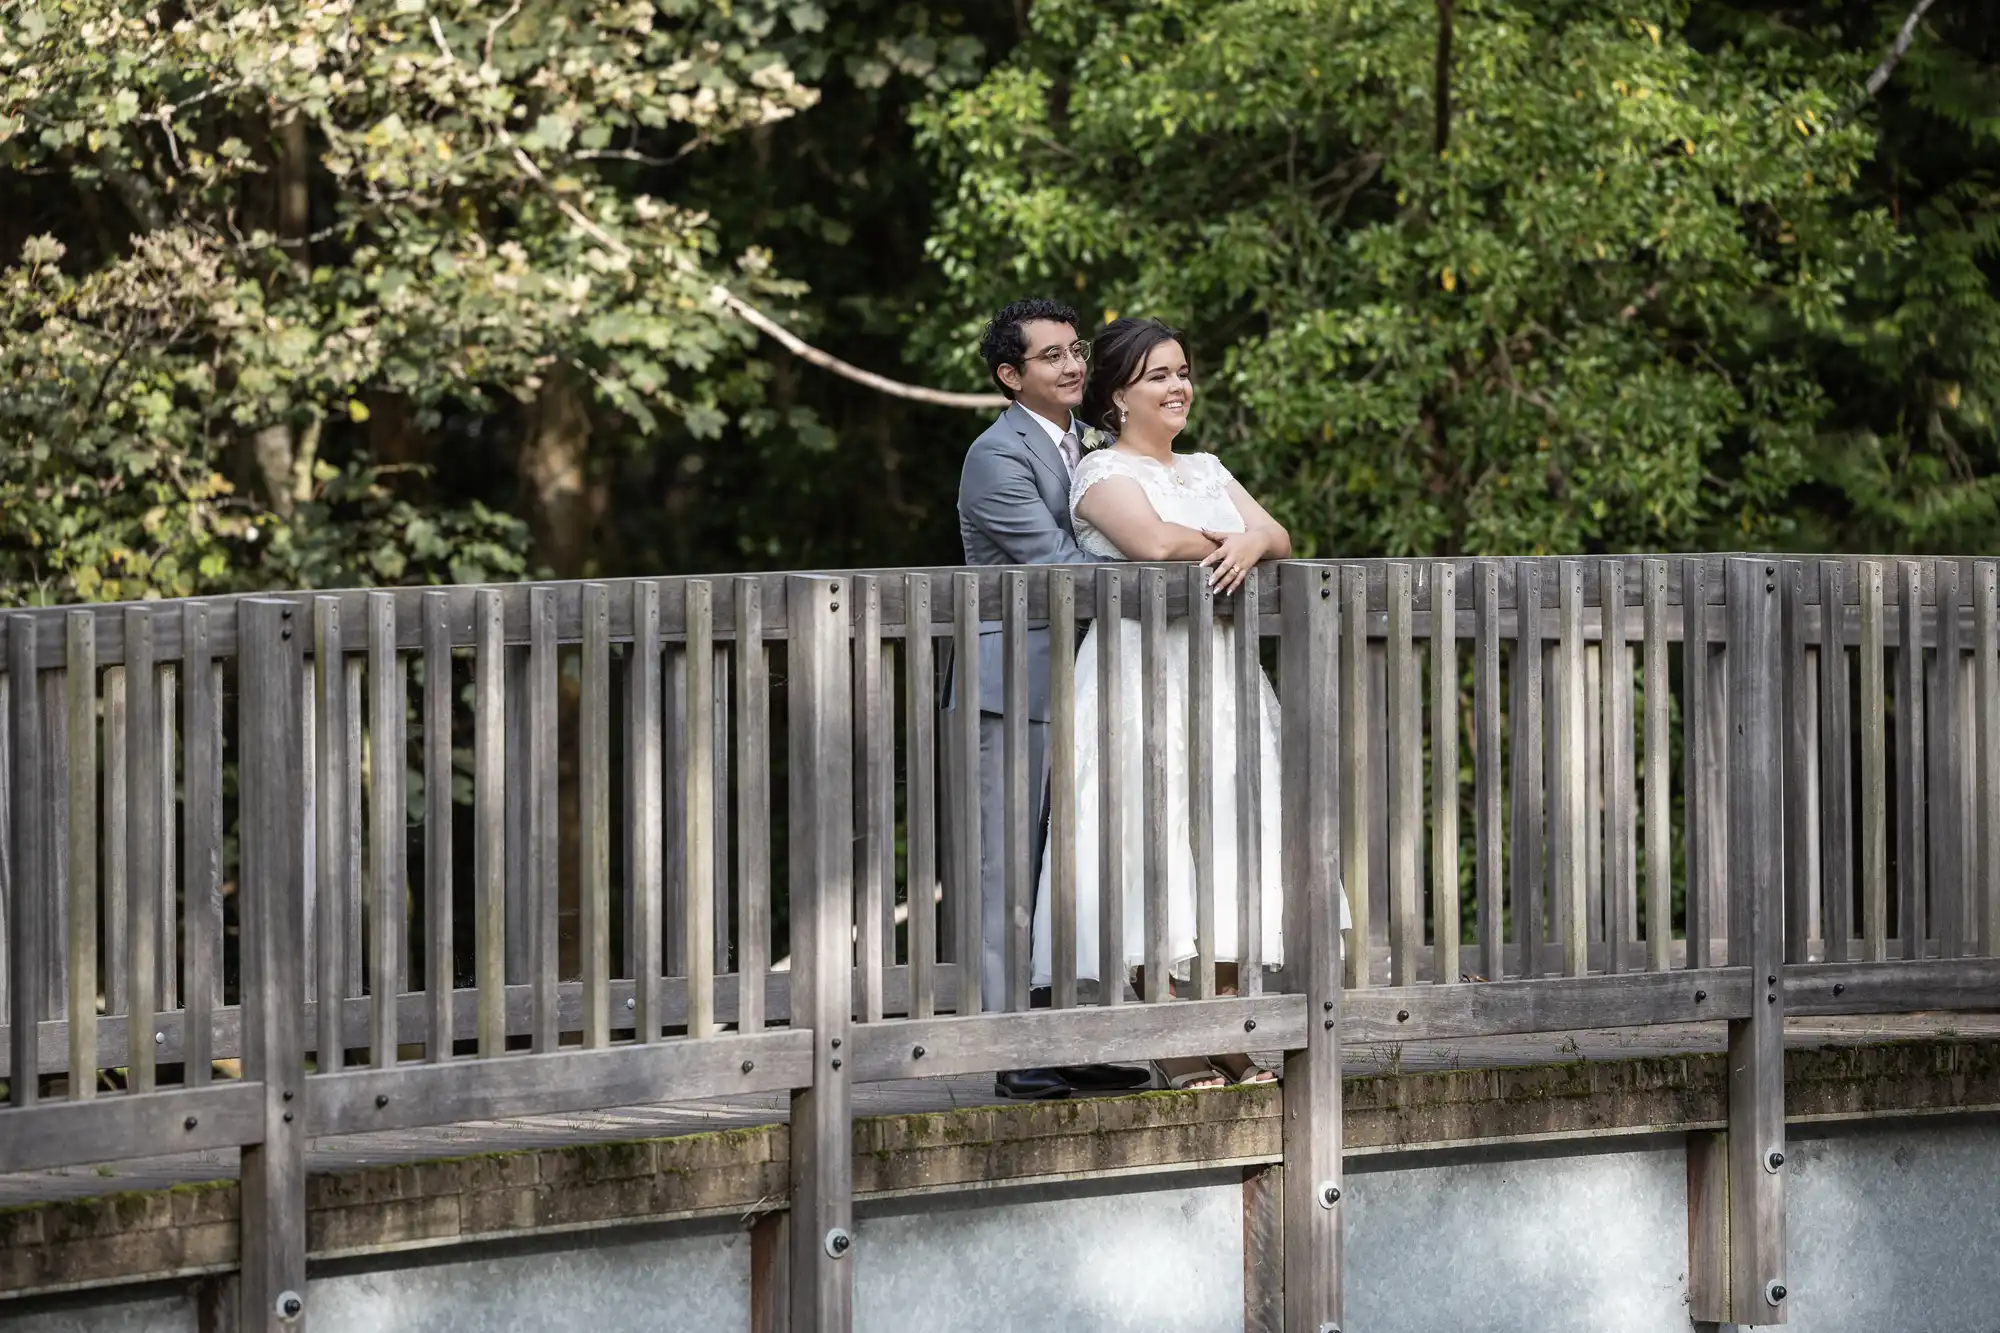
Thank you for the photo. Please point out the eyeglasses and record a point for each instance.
(1056, 356)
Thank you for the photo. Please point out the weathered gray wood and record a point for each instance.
(771, 1273)
(1946, 750)
(722, 709)
(1962, 985)
(920, 798)
(489, 822)
(143, 834)
(28, 884)
(1986, 743)
(594, 814)
(201, 914)
(643, 738)
(1312, 1092)
(1567, 833)
(1526, 870)
(1250, 793)
(1016, 771)
(117, 864)
(1157, 826)
(874, 825)
(1062, 795)
(1698, 823)
(1620, 893)
(1356, 722)
(698, 814)
(822, 878)
(1264, 1248)
(1756, 937)
(387, 866)
(1491, 834)
(330, 760)
(753, 802)
(80, 681)
(1796, 727)
(438, 914)
(58, 1134)
(1912, 919)
(352, 806)
(964, 782)
(1201, 716)
(1594, 883)
(52, 690)
(520, 821)
(1659, 796)
(1402, 707)
(1547, 1004)
(1708, 1226)
(274, 1177)
(1836, 806)
(1111, 793)
(542, 843)
(1874, 771)
(1444, 773)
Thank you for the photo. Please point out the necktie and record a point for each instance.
(1072, 453)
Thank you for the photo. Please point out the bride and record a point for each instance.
(1136, 499)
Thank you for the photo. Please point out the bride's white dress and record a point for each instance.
(1193, 492)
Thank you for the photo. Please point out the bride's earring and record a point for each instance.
(1122, 414)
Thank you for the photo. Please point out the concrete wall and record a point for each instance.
(1892, 1228)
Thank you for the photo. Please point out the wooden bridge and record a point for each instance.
(305, 865)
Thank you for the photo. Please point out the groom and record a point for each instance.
(1013, 509)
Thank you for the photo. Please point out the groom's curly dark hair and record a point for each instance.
(1003, 344)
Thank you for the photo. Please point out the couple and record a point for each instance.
(1031, 495)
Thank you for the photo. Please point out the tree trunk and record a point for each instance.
(563, 505)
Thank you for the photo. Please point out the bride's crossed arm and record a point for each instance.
(1237, 553)
(1117, 507)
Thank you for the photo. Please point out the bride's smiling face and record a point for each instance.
(1157, 400)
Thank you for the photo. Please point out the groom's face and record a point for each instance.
(1049, 380)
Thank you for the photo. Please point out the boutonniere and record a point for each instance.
(1093, 438)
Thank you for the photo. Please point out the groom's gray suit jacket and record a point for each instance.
(1013, 509)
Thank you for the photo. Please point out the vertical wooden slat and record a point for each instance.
(874, 867)
(1016, 771)
(753, 805)
(1201, 759)
(1245, 640)
(1659, 798)
(80, 653)
(166, 949)
(1619, 891)
(117, 862)
(1062, 788)
(1698, 829)
(386, 863)
(1312, 1134)
(1444, 773)
(1594, 879)
(201, 918)
(1948, 871)
(821, 840)
(594, 824)
(352, 807)
(1156, 827)
(438, 917)
(920, 787)
(540, 780)
(331, 759)
(1525, 745)
(29, 888)
(1874, 771)
(1756, 940)
(1489, 831)
(698, 816)
(721, 710)
(520, 822)
(965, 824)
(1796, 727)
(1912, 923)
(142, 842)
(1986, 740)
(1111, 793)
(1402, 706)
(1354, 784)
(643, 738)
(53, 691)
(673, 809)
(1836, 819)
(489, 819)
(1567, 831)
(272, 1284)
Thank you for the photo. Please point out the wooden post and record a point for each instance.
(272, 1291)
(822, 884)
(30, 884)
(1312, 1125)
(1742, 1279)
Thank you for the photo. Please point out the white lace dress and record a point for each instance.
(1192, 493)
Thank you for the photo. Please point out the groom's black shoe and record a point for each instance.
(1105, 1078)
(1031, 1084)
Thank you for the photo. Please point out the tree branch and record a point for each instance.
(1902, 45)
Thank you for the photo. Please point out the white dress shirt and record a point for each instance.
(1056, 434)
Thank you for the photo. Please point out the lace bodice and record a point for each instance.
(1193, 493)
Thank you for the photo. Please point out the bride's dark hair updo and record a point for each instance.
(1117, 358)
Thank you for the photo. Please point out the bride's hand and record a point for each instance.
(1234, 556)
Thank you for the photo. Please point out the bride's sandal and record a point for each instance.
(1242, 1071)
(1190, 1075)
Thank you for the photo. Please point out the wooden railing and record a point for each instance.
(305, 865)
